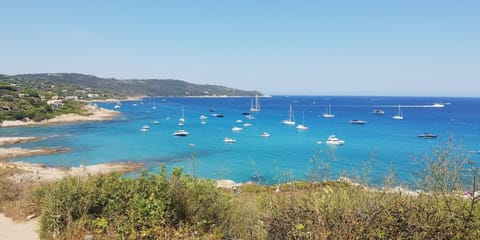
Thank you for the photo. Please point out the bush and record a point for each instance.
(146, 207)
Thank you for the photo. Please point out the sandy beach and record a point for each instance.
(94, 113)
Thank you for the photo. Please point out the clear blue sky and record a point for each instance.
(357, 47)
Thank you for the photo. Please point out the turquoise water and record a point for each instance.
(285, 155)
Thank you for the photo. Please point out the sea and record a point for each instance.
(370, 151)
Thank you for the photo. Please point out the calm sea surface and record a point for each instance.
(283, 156)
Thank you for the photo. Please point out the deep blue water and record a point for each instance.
(285, 155)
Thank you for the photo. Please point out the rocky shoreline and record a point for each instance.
(36, 173)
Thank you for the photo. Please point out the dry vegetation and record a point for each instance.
(179, 206)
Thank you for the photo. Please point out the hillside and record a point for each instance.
(43, 96)
(133, 87)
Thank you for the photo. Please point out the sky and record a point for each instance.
(342, 47)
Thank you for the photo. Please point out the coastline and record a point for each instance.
(6, 153)
(94, 114)
(113, 100)
(13, 152)
(15, 140)
(35, 173)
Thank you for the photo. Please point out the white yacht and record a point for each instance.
(333, 140)
(237, 129)
(180, 133)
(229, 140)
(145, 128)
(265, 134)
(356, 121)
(117, 106)
(378, 112)
(438, 105)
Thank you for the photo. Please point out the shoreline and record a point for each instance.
(95, 114)
(16, 140)
(13, 152)
(140, 98)
(35, 173)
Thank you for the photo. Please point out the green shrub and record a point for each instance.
(124, 208)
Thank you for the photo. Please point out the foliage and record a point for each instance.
(141, 208)
(122, 88)
(178, 206)
(25, 96)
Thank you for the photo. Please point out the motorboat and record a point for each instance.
(427, 135)
(203, 117)
(247, 124)
(218, 115)
(237, 129)
(291, 118)
(438, 105)
(378, 112)
(356, 121)
(180, 133)
(333, 140)
(145, 128)
(156, 122)
(229, 140)
(265, 134)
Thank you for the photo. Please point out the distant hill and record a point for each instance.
(131, 87)
(43, 96)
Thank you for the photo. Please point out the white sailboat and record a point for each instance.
(302, 126)
(328, 112)
(291, 118)
(181, 120)
(399, 116)
(256, 107)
